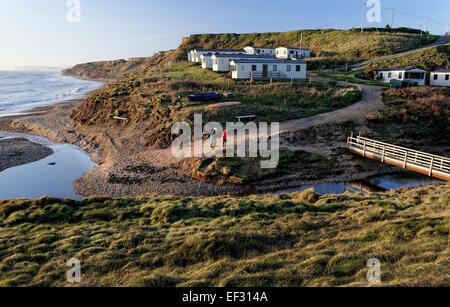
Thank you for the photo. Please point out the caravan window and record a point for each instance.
(288, 68)
(389, 75)
(298, 68)
(275, 67)
(447, 77)
(435, 77)
(253, 67)
(400, 75)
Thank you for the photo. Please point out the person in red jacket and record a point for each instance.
(224, 138)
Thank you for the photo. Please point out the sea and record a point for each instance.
(22, 91)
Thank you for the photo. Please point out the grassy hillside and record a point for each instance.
(422, 120)
(429, 59)
(323, 43)
(158, 98)
(330, 47)
(288, 240)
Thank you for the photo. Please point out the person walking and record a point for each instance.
(213, 138)
(224, 138)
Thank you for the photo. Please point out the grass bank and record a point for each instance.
(420, 120)
(287, 240)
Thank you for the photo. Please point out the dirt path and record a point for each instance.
(371, 100)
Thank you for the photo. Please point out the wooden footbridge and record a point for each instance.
(417, 161)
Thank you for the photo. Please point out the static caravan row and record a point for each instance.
(221, 62)
(195, 54)
(245, 69)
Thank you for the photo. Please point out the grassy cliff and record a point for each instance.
(288, 240)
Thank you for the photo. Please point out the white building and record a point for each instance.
(195, 54)
(440, 77)
(415, 75)
(244, 69)
(206, 60)
(221, 62)
(260, 50)
(286, 53)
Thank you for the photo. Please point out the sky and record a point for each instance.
(38, 33)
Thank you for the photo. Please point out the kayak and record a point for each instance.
(204, 97)
(225, 104)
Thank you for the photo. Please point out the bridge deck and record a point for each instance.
(417, 161)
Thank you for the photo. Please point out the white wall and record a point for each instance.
(284, 53)
(207, 62)
(262, 51)
(387, 76)
(440, 79)
(244, 70)
(221, 64)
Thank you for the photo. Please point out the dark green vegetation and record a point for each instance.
(352, 77)
(421, 120)
(158, 98)
(288, 240)
(428, 59)
(248, 171)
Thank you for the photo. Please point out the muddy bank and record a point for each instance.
(15, 152)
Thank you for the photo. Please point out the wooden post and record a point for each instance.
(270, 80)
(364, 154)
(431, 167)
(406, 160)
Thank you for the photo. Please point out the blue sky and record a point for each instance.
(37, 32)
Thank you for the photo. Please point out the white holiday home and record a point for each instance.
(221, 62)
(260, 50)
(257, 69)
(206, 60)
(197, 53)
(286, 53)
(415, 75)
(440, 77)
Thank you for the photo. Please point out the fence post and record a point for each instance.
(431, 167)
(384, 154)
(365, 144)
(406, 160)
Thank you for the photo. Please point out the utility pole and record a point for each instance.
(301, 45)
(363, 16)
(426, 25)
(392, 18)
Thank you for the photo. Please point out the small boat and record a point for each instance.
(204, 97)
(225, 104)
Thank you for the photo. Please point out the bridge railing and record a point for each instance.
(400, 156)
